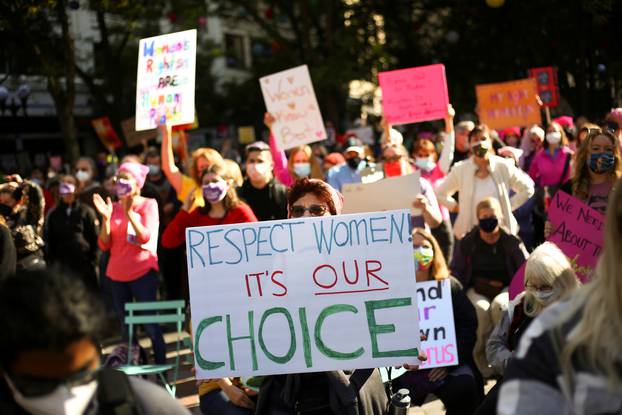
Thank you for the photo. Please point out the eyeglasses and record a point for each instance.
(298, 211)
(32, 386)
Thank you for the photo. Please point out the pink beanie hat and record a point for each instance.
(565, 121)
(137, 171)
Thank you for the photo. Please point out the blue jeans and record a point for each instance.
(144, 288)
(217, 403)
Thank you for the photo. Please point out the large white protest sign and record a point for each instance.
(303, 295)
(165, 80)
(397, 192)
(290, 98)
(436, 322)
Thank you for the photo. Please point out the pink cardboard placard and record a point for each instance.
(414, 94)
(577, 231)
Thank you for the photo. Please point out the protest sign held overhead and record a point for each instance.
(133, 137)
(106, 133)
(414, 94)
(508, 104)
(436, 323)
(303, 295)
(165, 80)
(290, 98)
(546, 79)
(397, 192)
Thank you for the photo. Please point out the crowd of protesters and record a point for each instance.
(117, 230)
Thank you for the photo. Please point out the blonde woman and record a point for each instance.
(569, 360)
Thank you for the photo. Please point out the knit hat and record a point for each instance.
(137, 171)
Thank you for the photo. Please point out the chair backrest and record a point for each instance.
(155, 312)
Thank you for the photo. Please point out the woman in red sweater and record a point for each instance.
(222, 207)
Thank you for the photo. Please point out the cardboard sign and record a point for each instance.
(246, 135)
(577, 231)
(546, 79)
(414, 94)
(133, 137)
(436, 323)
(303, 295)
(508, 104)
(392, 193)
(106, 134)
(165, 80)
(290, 98)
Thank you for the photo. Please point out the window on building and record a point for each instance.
(235, 51)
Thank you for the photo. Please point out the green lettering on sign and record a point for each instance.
(292, 341)
(306, 338)
(376, 329)
(250, 337)
(322, 347)
(203, 363)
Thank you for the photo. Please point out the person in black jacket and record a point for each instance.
(71, 234)
(8, 257)
(485, 261)
(263, 193)
(459, 387)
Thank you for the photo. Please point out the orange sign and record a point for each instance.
(106, 133)
(508, 104)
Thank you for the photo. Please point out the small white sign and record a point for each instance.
(290, 98)
(165, 80)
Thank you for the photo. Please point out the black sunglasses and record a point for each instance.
(315, 210)
(32, 386)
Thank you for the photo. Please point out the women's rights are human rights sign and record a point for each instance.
(303, 295)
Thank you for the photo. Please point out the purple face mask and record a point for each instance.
(123, 187)
(214, 192)
(66, 189)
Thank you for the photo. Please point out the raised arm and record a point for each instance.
(169, 168)
(281, 171)
(447, 154)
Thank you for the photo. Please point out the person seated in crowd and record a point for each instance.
(568, 360)
(459, 387)
(222, 207)
(337, 392)
(129, 231)
(71, 230)
(85, 172)
(22, 205)
(483, 175)
(549, 277)
(266, 196)
(202, 158)
(485, 261)
(50, 353)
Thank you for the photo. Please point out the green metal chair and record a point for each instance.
(162, 312)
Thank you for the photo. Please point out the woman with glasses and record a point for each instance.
(129, 231)
(480, 176)
(549, 277)
(320, 392)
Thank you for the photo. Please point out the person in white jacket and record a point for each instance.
(480, 176)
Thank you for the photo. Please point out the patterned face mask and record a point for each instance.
(424, 256)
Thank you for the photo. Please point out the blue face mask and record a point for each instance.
(425, 163)
(601, 162)
(302, 169)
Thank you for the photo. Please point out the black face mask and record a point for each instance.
(354, 162)
(488, 224)
(5, 210)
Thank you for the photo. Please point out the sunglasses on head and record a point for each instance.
(298, 211)
(32, 386)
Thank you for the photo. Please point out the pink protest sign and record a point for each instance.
(577, 231)
(414, 94)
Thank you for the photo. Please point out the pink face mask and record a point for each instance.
(66, 189)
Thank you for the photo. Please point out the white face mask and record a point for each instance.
(257, 171)
(83, 176)
(425, 163)
(64, 401)
(554, 137)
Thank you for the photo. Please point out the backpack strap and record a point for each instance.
(114, 393)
